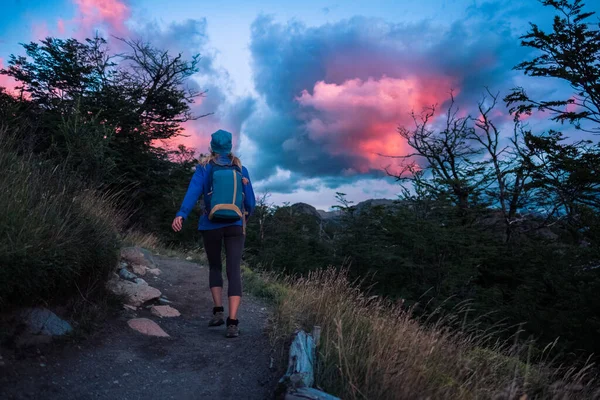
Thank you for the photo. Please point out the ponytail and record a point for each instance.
(206, 159)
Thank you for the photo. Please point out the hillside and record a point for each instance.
(326, 215)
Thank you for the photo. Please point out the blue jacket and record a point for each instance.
(199, 185)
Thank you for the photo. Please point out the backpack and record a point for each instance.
(225, 201)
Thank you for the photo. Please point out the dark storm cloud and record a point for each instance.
(291, 58)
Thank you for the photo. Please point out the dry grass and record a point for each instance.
(137, 238)
(372, 349)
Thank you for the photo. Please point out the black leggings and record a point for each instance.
(234, 245)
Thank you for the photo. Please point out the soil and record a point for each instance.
(195, 362)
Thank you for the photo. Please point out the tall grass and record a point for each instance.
(58, 238)
(134, 237)
(373, 349)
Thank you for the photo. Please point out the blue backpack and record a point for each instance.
(225, 201)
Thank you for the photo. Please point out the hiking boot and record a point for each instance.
(232, 331)
(217, 319)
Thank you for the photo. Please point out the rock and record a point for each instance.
(146, 327)
(129, 307)
(137, 255)
(140, 281)
(371, 203)
(125, 274)
(305, 209)
(45, 322)
(139, 269)
(136, 294)
(163, 301)
(164, 311)
(189, 258)
(123, 264)
(153, 271)
(327, 215)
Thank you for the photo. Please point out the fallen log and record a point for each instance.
(300, 375)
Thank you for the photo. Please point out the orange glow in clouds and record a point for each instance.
(361, 117)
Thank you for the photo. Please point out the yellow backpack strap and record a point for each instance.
(244, 212)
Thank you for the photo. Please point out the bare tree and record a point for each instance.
(507, 165)
(443, 162)
(156, 83)
(262, 212)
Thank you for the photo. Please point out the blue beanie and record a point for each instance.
(221, 142)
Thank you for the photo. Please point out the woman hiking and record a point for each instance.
(229, 200)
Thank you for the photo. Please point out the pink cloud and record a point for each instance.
(60, 25)
(6, 81)
(572, 107)
(94, 14)
(194, 137)
(360, 117)
(107, 16)
(40, 31)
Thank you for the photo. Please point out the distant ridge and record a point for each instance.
(307, 209)
(329, 214)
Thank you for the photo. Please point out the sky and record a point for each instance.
(314, 91)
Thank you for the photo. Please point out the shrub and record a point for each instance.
(58, 238)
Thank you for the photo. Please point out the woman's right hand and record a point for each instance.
(177, 224)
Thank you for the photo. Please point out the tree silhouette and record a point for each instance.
(570, 52)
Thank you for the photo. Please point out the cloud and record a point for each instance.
(360, 117)
(105, 17)
(226, 110)
(109, 15)
(332, 96)
(113, 18)
(60, 26)
(189, 38)
(7, 82)
(321, 196)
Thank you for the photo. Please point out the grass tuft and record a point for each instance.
(374, 349)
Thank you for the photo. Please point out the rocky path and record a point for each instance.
(194, 362)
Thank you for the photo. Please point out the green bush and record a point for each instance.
(58, 238)
(437, 262)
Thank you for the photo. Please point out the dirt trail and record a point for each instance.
(118, 363)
